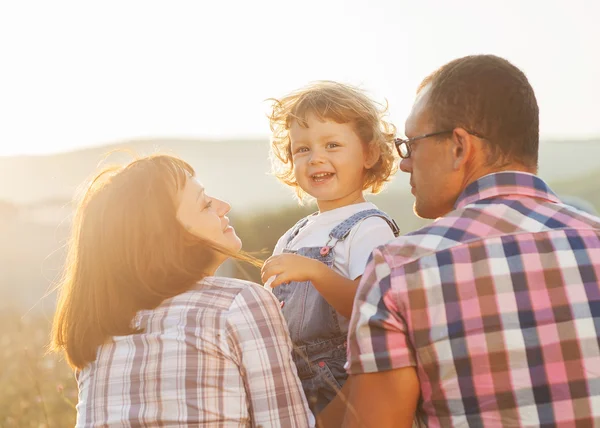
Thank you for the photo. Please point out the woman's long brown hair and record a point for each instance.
(127, 252)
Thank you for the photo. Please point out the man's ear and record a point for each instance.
(372, 155)
(462, 148)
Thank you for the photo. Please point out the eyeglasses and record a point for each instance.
(404, 146)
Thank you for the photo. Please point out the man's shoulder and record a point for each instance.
(485, 222)
(444, 233)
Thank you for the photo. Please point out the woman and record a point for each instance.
(155, 338)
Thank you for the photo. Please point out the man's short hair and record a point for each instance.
(490, 96)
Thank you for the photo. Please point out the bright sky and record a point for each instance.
(76, 74)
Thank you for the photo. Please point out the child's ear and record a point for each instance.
(373, 153)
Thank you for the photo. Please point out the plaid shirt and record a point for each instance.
(218, 355)
(497, 305)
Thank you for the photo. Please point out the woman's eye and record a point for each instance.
(208, 205)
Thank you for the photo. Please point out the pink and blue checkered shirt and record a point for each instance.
(496, 305)
(218, 355)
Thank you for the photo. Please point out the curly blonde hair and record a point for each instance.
(341, 103)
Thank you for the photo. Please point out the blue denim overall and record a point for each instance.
(314, 325)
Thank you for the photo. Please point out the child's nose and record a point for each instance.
(316, 156)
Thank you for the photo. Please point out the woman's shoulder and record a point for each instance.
(225, 282)
(231, 290)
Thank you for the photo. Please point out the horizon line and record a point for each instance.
(230, 138)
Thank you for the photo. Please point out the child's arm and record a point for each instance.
(336, 289)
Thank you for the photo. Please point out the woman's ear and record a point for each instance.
(372, 155)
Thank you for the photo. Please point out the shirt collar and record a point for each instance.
(506, 183)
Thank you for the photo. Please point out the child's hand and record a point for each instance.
(290, 267)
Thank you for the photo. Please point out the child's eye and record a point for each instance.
(301, 150)
(332, 145)
(207, 206)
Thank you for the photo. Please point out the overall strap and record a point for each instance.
(342, 230)
(296, 228)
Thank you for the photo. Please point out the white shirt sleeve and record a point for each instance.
(279, 247)
(364, 238)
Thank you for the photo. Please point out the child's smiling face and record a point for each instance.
(329, 161)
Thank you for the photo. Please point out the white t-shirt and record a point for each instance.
(352, 253)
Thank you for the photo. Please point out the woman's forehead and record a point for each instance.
(192, 190)
(193, 185)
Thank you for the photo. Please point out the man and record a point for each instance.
(490, 316)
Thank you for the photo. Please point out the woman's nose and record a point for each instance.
(224, 207)
(406, 165)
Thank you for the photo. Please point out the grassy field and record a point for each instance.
(37, 389)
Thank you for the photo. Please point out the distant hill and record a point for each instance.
(227, 168)
(236, 170)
